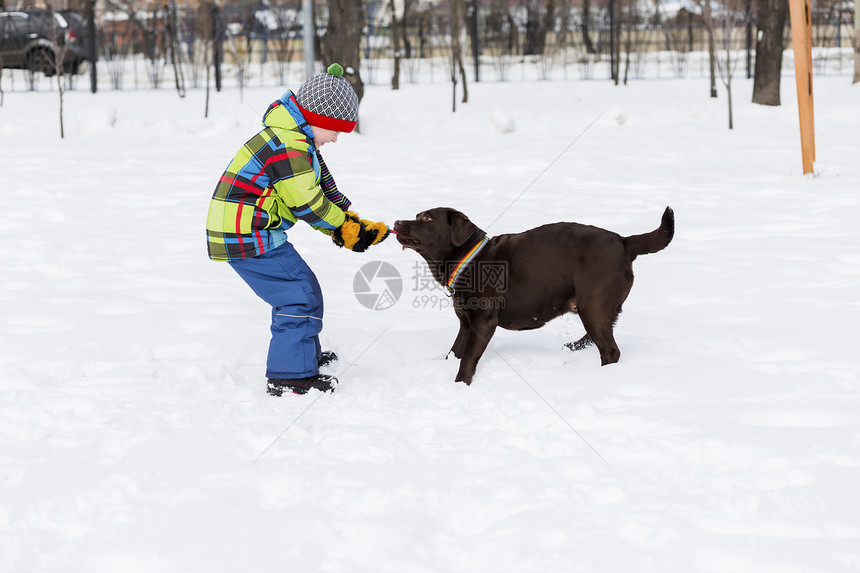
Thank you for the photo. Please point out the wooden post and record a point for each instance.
(801, 40)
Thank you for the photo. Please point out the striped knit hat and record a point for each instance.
(328, 101)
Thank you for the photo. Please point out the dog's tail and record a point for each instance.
(656, 240)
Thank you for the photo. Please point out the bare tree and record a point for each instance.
(564, 23)
(708, 19)
(856, 41)
(206, 17)
(584, 24)
(632, 39)
(174, 47)
(735, 18)
(770, 20)
(396, 24)
(241, 58)
(456, 22)
(287, 16)
(147, 34)
(58, 39)
(540, 17)
(548, 24)
(342, 39)
(612, 9)
(615, 23)
(500, 36)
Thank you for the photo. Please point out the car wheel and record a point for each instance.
(72, 66)
(41, 61)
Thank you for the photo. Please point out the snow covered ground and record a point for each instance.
(136, 434)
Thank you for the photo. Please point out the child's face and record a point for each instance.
(323, 136)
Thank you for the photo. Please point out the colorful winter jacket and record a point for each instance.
(276, 178)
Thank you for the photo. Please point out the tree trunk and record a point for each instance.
(395, 45)
(463, 78)
(548, 20)
(513, 42)
(564, 23)
(60, 91)
(617, 44)
(613, 39)
(856, 41)
(92, 51)
(341, 42)
(57, 64)
(457, 52)
(217, 47)
(730, 67)
(729, 92)
(535, 30)
(712, 45)
(586, 16)
(770, 18)
(472, 29)
(404, 37)
(205, 14)
(175, 49)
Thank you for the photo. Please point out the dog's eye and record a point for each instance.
(426, 218)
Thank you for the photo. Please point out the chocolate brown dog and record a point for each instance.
(521, 281)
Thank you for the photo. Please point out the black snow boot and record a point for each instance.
(322, 382)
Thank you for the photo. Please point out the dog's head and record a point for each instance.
(436, 233)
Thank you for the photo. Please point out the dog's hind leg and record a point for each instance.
(583, 342)
(598, 322)
(605, 341)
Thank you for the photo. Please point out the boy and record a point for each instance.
(275, 179)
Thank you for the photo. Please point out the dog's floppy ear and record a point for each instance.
(461, 227)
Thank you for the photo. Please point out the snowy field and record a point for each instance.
(136, 434)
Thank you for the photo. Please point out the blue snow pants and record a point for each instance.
(284, 280)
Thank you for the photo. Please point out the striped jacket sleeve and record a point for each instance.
(329, 187)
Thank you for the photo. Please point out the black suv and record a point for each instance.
(31, 40)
